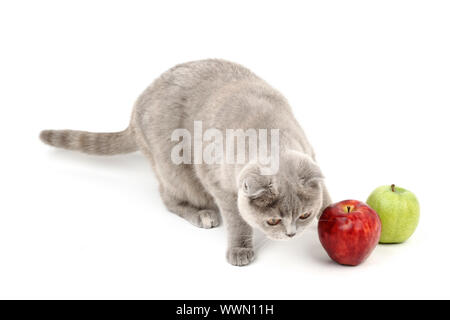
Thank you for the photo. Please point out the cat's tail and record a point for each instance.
(89, 142)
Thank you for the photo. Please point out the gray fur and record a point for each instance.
(89, 142)
(222, 95)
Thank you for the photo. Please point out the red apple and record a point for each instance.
(349, 231)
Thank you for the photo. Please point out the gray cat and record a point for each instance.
(222, 95)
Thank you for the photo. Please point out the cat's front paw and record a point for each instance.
(240, 256)
(208, 219)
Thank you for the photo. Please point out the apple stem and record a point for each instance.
(393, 187)
(348, 209)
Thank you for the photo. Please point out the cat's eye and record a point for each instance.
(305, 216)
(273, 221)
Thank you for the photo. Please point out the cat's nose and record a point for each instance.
(290, 235)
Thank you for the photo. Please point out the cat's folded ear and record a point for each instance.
(260, 189)
(310, 177)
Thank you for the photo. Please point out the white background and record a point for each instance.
(368, 81)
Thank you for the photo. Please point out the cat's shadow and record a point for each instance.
(305, 247)
(131, 171)
(137, 166)
(309, 246)
(128, 163)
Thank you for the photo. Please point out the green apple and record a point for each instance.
(399, 212)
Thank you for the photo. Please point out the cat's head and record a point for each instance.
(284, 204)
